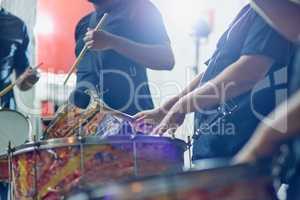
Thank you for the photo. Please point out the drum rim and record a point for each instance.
(94, 140)
(14, 111)
(3, 156)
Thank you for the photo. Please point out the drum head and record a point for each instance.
(14, 127)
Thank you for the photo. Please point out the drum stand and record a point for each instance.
(10, 177)
(37, 150)
(189, 145)
(80, 138)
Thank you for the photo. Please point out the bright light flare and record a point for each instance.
(185, 14)
(44, 25)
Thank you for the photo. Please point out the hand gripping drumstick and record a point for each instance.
(84, 50)
(12, 85)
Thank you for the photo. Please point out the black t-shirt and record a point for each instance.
(122, 82)
(249, 34)
(293, 191)
(13, 52)
(295, 73)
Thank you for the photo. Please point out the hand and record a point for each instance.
(146, 121)
(171, 122)
(28, 79)
(99, 40)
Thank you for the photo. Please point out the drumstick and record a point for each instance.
(84, 50)
(12, 85)
(122, 115)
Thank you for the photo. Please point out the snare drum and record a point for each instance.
(228, 183)
(50, 168)
(4, 175)
(14, 128)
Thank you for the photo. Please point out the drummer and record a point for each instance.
(224, 97)
(267, 139)
(14, 42)
(132, 40)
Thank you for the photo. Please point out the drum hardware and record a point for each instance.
(223, 112)
(189, 146)
(37, 152)
(9, 157)
(81, 142)
(135, 158)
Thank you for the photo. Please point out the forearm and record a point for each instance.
(268, 137)
(282, 15)
(287, 124)
(237, 79)
(157, 57)
(191, 87)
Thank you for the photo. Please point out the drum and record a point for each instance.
(241, 182)
(14, 128)
(71, 120)
(4, 175)
(49, 169)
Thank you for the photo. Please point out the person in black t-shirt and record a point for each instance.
(13, 56)
(267, 138)
(227, 99)
(132, 39)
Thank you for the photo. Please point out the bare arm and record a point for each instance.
(237, 79)
(190, 88)
(155, 116)
(266, 139)
(157, 57)
(283, 15)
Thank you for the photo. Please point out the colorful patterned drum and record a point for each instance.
(3, 168)
(48, 169)
(228, 183)
(71, 120)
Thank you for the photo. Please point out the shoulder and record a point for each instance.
(145, 9)
(12, 19)
(82, 25)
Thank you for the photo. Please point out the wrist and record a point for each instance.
(116, 43)
(180, 107)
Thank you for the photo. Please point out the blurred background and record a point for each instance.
(194, 27)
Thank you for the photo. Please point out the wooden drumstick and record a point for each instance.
(84, 50)
(122, 115)
(12, 85)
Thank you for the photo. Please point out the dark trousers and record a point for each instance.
(3, 191)
(293, 192)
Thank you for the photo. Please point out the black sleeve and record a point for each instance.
(21, 61)
(149, 24)
(80, 30)
(264, 40)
